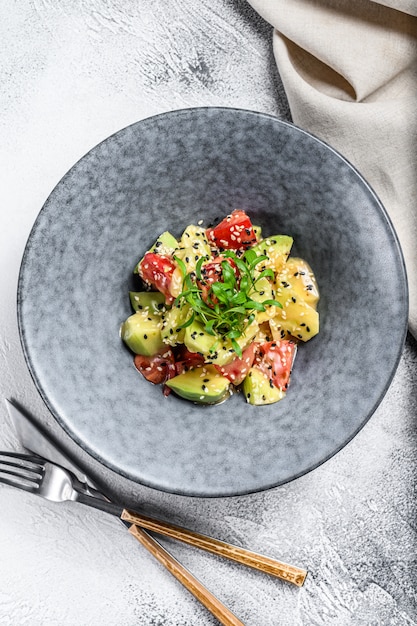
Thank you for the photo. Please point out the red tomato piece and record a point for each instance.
(237, 369)
(185, 360)
(156, 270)
(234, 232)
(275, 359)
(158, 368)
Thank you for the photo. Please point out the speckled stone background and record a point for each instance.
(73, 73)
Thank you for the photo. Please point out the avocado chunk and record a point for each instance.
(262, 291)
(258, 232)
(300, 279)
(141, 332)
(171, 332)
(298, 319)
(204, 385)
(276, 248)
(214, 349)
(197, 339)
(195, 237)
(165, 244)
(258, 389)
(152, 301)
(193, 245)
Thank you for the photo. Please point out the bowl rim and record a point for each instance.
(85, 446)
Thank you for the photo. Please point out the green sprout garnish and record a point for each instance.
(227, 308)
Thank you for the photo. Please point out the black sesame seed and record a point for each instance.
(145, 336)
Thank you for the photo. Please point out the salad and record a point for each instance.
(221, 309)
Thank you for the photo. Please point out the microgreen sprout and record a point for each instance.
(225, 307)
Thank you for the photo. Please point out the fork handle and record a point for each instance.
(262, 563)
(199, 591)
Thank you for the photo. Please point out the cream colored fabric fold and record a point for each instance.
(349, 69)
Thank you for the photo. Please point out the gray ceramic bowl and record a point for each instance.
(165, 173)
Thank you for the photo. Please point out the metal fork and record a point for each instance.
(52, 482)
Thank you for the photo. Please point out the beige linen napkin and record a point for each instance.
(349, 69)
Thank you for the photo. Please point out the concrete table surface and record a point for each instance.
(73, 72)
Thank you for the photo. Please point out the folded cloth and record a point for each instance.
(349, 69)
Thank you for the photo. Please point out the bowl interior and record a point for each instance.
(164, 173)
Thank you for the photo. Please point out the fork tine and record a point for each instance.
(33, 458)
(20, 483)
(23, 471)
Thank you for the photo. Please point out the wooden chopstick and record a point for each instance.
(199, 591)
(290, 573)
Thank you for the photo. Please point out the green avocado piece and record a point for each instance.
(296, 318)
(197, 339)
(276, 248)
(258, 390)
(152, 301)
(263, 290)
(165, 244)
(204, 385)
(141, 332)
(258, 232)
(298, 277)
(196, 237)
(171, 332)
(215, 349)
(193, 245)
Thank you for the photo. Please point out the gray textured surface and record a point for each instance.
(73, 73)
(162, 174)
